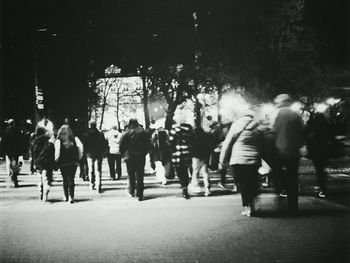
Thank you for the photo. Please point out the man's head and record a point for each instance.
(133, 123)
(283, 100)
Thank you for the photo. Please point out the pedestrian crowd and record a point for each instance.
(183, 151)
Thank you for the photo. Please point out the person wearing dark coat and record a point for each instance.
(288, 138)
(95, 146)
(180, 139)
(318, 138)
(134, 146)
(12, 146)
(43, 150)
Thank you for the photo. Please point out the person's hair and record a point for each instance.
(133, 123)
(39, 130)
(66, 136)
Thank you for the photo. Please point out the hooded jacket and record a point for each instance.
(242, 143)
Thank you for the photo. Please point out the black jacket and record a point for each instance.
(95, 144)
(134, 142)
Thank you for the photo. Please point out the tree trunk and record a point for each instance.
(145, 102)
(170, 115)
(103, 112)
(198, 115)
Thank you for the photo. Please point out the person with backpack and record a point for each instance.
(68, 151)
(43, 151)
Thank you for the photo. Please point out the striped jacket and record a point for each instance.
(180, 139)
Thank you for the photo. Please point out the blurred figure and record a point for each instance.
(95, 146)
(160, 154)
(114, 157)
(12, 146)
(43, 151)
(68, 152)
(318, 138)
(241, 150)
(202, 146)
(180, 139)
(288, 138)
(134, 146)
(46, 123)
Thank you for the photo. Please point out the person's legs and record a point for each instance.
(98, 173)
(140, 173)
(320, 164)
(194, 185)
(65, 182)
(206, 180)
(118, 158)
(45, 179)
(111, 163)
(91, 170)
(70, 176)
(130, 165)
(182, 174)
(40, 185)
(292, 165)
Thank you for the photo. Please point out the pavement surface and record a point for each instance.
(111, 227)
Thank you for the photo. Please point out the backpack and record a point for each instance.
(43, 153)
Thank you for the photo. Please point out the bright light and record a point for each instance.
(296, 106)
(320, 107)
(267, 109)
(29, 121)
(155, 109)
(332, 101)
(231, 105)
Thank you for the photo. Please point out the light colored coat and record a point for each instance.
(113, 138)
(241, 145)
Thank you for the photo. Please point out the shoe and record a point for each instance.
(194, 188)
(41, 196)
(185, 194)
(283, 194)
(140, 198)
(246, 211)
(92, 186)
(321, 194)
(207, 192)
(71, 200)
(131, 195)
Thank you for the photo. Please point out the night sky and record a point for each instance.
(84, 36)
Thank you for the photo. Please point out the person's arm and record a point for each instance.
(80, 147)
(57, 149)
(235, 130)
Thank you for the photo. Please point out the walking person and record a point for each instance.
(318, 139)
(134, 146)
(202, 146)
(288, 138)
(114, 156)
(12, 146)
(43, 155)
(180, 138)
(241, 150)
(95, 146)
(160, 154)
(68, 152)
